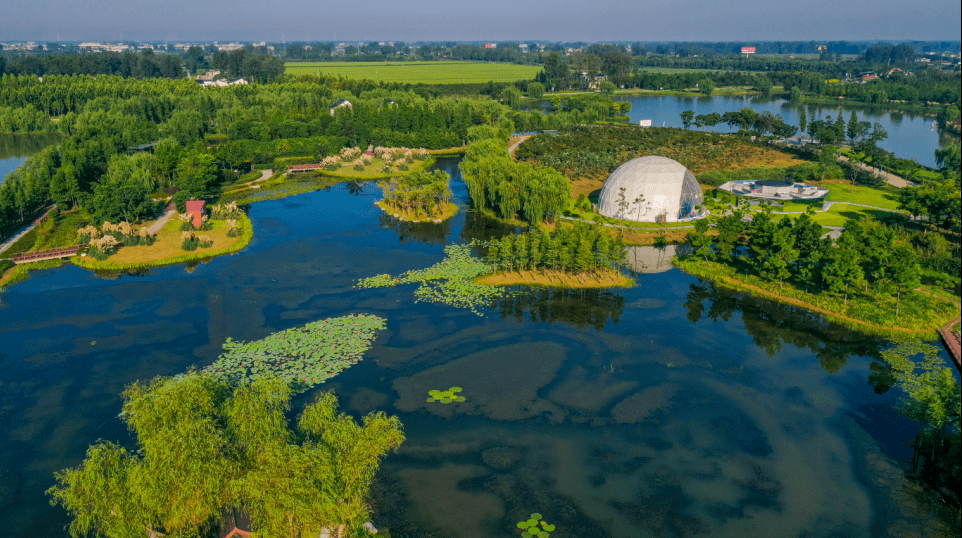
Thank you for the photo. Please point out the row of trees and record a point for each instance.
(580, 249)
(867, 256)
(764, 123)
(511, 189)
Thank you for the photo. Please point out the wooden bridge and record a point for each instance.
(49, 254)
(952, 343)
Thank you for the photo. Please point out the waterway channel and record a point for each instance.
(910, 135)
(666, 410)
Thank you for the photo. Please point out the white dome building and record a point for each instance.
(656, 189)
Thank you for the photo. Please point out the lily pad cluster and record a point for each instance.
(303, 356)
(446, 397)
(535, 527)
(449, 282)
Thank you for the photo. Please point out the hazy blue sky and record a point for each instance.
(493, 20)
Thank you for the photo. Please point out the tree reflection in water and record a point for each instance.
(579, 308)
(771, 324)
(424, 232)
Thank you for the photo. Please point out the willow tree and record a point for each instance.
(205, 446)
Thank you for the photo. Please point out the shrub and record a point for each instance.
(204, 241)
(189, 241)
(186, 222)
(5, 264)
(359, 167)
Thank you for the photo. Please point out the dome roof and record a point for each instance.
(655, 188)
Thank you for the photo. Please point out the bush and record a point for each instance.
(189, 243)
(5, 264)
(359, 167)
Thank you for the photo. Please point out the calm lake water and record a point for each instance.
(911, 135)
(14, 149)
(670, 409)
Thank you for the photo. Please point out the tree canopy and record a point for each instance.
(204, 445)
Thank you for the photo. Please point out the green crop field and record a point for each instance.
(419, 72)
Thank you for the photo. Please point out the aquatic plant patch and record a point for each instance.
(446, 397)
(449, 282)
(535, 527)
(302, 356)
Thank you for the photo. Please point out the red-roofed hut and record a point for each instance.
(195, 208)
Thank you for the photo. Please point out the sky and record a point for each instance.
(488, 20)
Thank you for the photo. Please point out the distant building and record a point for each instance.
(775, 189)
(341, 103)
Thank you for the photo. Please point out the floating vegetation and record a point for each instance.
(446, 397)
(532, 529)
(449, 282)
(303, 356)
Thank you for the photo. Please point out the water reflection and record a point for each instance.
(12, 146)
(577, 308)
(650, 260)
(772, 324)
(424, 232)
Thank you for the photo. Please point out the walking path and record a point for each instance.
(889, 178)
(520, 141)
(159, 223)
(23, 231)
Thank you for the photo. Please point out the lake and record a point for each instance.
(669, 409)
(14, 149)
(911, 135)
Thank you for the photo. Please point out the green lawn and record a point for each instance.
(839, 214)
(418, 72)
(843, 192)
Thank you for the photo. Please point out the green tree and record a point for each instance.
(843, 270)
(607, 88)
(686, 118)
(904, 272)
(706, 86)
(802, 121)
(204, 446)
(700, 241)
(123, 193)
(536, 90)
(197, 173)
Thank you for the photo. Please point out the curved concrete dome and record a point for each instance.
(668, 189)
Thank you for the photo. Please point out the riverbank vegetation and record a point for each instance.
(870, 275)
(206, 447)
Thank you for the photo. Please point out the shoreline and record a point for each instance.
(690, 265)
(450, 210)
(557, 279)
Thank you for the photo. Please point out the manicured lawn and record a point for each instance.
(418, 72)
(838, 215)
(843, 192)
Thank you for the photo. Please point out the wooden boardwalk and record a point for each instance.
(49, 254)
(952, 343)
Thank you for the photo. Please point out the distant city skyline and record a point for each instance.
(494, 20)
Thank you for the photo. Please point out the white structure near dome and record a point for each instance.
(651, 189)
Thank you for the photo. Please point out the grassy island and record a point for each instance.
(166, 249)
(447, 211)
(609, 278)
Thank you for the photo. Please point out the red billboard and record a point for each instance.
(748, 50)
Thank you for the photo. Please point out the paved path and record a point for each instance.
(889, 178)
(159, 223)
(828, 205)
(518, 143)
(23, 231)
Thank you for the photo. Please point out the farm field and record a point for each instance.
(419, 72)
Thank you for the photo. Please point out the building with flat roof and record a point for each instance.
(775, 189)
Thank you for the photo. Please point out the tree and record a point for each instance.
(764, 85)
(796, 95)
(536, 90)
(904, 271)
(686, 118)
(844, 269)
(712, 119)
(197, 173)
(802, 121)
(204, 446)
(706, 86)
(123, 193)
(700, 241)
(607, 88)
